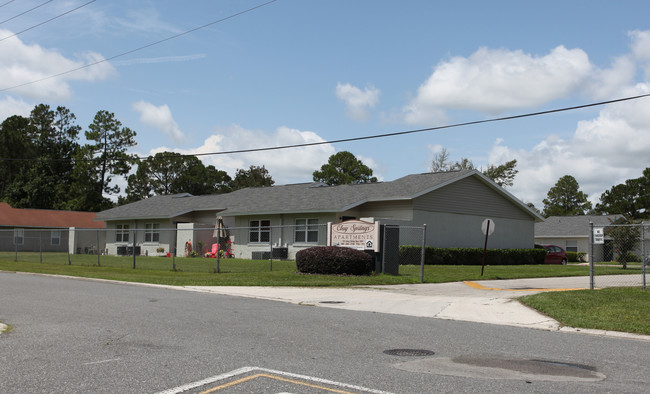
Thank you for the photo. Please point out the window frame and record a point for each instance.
(19, 236)
(571, 247)
(258, 230)
(303, 229)
(55, 235)
(152, 232)
(122, 232)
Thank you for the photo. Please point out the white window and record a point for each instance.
(122, 233)
(55, 237)
(571, 246)
(306, 231)
(152, 232)
(260, 231)
(19, 236)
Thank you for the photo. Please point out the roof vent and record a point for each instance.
(318, 184)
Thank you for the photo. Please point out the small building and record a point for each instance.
(34, 230)
(453, 205)
(572, 234)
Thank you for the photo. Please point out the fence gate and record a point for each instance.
(619, 255)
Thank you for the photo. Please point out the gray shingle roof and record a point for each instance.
(570, 226)
(302, 197)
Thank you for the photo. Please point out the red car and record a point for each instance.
(555, 255)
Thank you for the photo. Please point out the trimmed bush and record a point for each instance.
(474, 256)
(334, 260)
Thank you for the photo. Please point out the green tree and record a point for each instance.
(565, 199)
(625, 237)
(504, 174)
(441, 163)
(631, 198)
(47, 146)
(14, 152)
(344, 168)
(105, 157)
(253, 177)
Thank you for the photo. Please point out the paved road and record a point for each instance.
(73, 335)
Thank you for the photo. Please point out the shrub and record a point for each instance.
(334, 260)
(474, 256)
(628, 257)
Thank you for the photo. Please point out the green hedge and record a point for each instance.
(474, 256)
(576, 257)
(334, 260)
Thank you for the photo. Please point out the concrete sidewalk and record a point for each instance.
(490, 302)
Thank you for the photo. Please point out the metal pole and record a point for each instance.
(69, 261)
(422, 252)
(271, 247)
(99, 263)
(643, 259)
(40, 244)
(591, 255)
(218, 251)
(487, 232)
(134, 233)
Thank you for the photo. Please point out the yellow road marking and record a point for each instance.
(475, 285)
(264, 375)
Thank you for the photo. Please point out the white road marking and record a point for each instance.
(244, 370)
(102, 361)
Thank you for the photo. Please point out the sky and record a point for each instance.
(207, 76)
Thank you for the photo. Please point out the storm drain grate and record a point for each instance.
(409, 352)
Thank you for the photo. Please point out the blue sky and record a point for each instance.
(297, 71)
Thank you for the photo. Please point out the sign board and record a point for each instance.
(599, 235)
(355, 234)
(484, 226)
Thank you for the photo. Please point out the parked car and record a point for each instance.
(555, 255)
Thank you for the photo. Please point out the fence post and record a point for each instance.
(40, 244)
(643, 256)
(422, 253)
(134, 234)
(271, 246)
(98, 254)
(69, 261)
(591, 255)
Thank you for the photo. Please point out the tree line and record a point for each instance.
(43, 165)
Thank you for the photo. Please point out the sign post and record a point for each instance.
(488, 228)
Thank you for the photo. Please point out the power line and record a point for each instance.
(23, 13)
(385, 135)
(49, 20)
(140, 48)
(10, 1)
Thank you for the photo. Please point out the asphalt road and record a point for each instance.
(73, 335)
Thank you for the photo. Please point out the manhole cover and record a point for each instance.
(409, 352)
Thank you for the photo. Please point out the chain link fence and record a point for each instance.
(623, 246)
(195, 247)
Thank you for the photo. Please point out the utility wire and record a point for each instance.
(23, 13)
(10, 1)
(140, 48)
(49, 20)
(385, 135)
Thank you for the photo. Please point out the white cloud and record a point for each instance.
(10, 106)
(641, 49)
(358, 102)
(602, 152)
(497, 80)
(284, 165)
(22, 64)
(160, 118)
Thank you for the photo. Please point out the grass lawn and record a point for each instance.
(237, 272)
(624, 309)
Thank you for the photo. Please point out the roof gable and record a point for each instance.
(301, 198)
